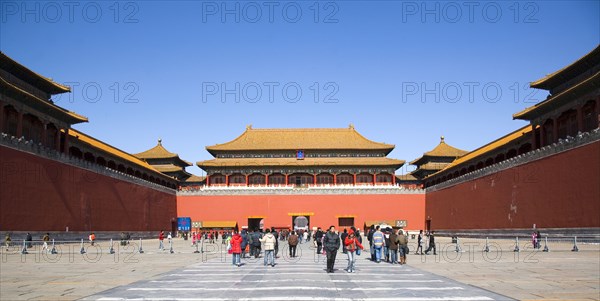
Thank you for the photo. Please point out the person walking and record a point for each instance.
(352, 244)
(244, 242)
(29, 239)
(161, 238)
(419, 243)
(370, 239)
(7, 241)
(431, 244)
(386, 244)
(276, 250)
(393, 247)
(256, 243)
(343, 237)
(331, 242)
(92, 238)
(269, 240)
(236, 248)
(46, 239)
(378, 242)
(402, 246)
(319, 240)
(293, 242)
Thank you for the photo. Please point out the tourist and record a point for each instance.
(393, 247)
(269, 240)
(275, 234)
(29, 239)
(331, 243)
(305, 235)
(352, 244)
(402, 246)
(7, 241)
(319, 240)
(370, 239)
(431, 244)
(92, 238)
(386, 248)
(359, 237)
(378, 242)
(539, 239)
(244, 242)
(236, 248)
(46, 239)
(161, 237)
(293, 243)
(343, 238)
(419, 243)
(256, 243)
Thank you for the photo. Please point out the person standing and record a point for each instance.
(538, 235)
(244, 243)
(393, 247)
(46, 239)
(92, 238)
(352, 244)
(419, 243)
(331, 242)
(236, 248)
(7, 241)
(378, 242)
(343, 238)
(431, 244)
(269, 240)
(161, 238)
(370, 239)
(293, 242)
(319, 240)
(402, 246)
(274, 232)
(29, 239)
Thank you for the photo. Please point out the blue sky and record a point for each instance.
(402, 72)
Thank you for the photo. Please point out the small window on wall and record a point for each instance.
(345, 222)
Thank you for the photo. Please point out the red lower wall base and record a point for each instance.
(325, 210)
(43, 195)
(560, 191)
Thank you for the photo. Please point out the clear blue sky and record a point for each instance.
(402, 72)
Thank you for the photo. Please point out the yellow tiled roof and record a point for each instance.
(77, 135)
(300, 139)
(167, 168)
(195, 178)
(487, 148)
(442, 150)
(589, 84)
(433, 166)
(74, 117)
(282, 162)
(586, 61)
(159, 152)
(406, 177)
(44, 83)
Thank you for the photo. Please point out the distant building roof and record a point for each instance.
(482, 151)
(159, 152)
(300, 139)
(441, 150)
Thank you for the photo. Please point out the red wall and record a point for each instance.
(43, 195)
(326, 208)
(560, 191)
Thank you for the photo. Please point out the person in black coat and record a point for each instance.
(431, 244)
(331, 243)
(319, 240)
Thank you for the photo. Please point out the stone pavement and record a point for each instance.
(559, 274)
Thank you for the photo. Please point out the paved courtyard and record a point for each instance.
(183, 275)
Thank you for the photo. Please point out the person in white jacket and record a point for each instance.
(269, 240)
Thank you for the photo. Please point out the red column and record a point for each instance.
(226, 180)
(66, 148)
(57, 140)
(354, 176)
(207, 180)
(20, 125)
(334, 179)
(315, 179)
(267, 179)
(247, 184)
(394, 178)
(1, 117)
(374, 179)
(580, 119)
(287, 179)
(554, 131)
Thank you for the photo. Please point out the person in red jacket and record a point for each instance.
(161, 237)
(352, 244)
(236, 248)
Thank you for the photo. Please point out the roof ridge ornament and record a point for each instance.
(159, 141)
(351, 126)
(442, 139)
(249, 127)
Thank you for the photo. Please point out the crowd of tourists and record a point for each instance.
(385, 244)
